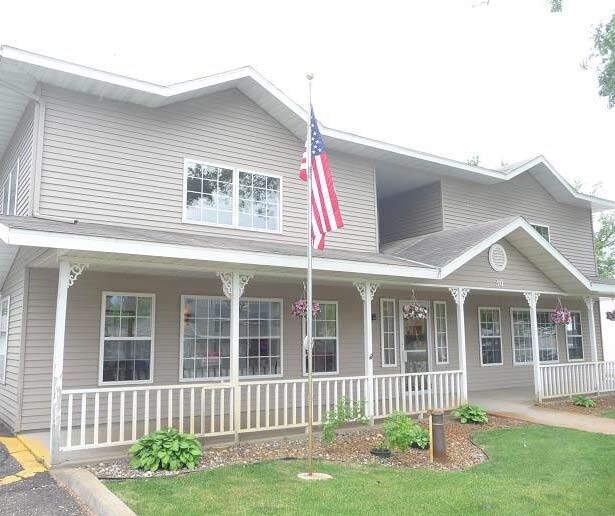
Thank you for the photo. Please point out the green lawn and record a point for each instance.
(532, 470)
(608, 413)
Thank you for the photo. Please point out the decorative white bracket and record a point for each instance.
(589, 302)
(76, 269)
(459, 294)
(371, 290)
(532, 298)
(227, 283)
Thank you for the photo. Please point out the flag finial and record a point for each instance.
(309, 76)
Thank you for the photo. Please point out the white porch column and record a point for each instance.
(532, 301)
(67, 275)
(459, 295)
(233, 285)
(367, 291)
(591, 321)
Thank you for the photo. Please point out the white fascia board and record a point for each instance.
(164, 94)
(603, 289)
(21, 237)
(503, 233)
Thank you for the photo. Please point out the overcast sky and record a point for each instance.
(450, 77)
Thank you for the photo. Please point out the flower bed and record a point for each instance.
(349, 446)
(603, 404)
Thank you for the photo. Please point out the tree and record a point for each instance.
(474, 160)
(604, 46)
(556, 6)
(604, 236)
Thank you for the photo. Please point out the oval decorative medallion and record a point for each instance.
(497, 257)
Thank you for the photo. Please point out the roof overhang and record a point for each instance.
(26, 69)
(535, 248)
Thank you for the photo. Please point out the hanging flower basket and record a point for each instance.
(561, 315)
(299, 309)
(611, 315)
(415, 311)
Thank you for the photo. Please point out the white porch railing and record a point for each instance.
(559, 380)
(102, 417)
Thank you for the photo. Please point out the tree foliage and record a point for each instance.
(604, 46)
(474, 160)
(604, 244)
(556, 6)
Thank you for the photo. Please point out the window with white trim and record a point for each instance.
(128, 333)
(543, 231)
(574, 337)
(8, 195)
(260, 337)
(325, 335)
(232, 197)
(439, 318)
(206, 337)
(522, 337)
(490, 329)
(388, 337)
(4, 336)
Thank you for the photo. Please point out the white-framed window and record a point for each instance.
(205, 338)
(260, 337)
(5, 304)
(490, 333)
(127, 338)
(325, 353)
(543, 230)
(574, 338)
(232, 197)
(8, 194)
(522, 337)
(388, 336)
(440, 333)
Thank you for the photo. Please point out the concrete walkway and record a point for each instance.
(517, 405)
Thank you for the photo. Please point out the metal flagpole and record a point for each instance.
(310, 433)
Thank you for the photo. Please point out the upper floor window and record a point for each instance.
(8, 195)
(232, 197)
(543, 231)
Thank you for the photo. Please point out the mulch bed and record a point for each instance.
(351, 446)
(603, 404)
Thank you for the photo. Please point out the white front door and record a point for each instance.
(414, 341)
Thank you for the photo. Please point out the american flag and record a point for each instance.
(326, 215)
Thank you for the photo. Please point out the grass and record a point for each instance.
(532, 470)
(609, 414)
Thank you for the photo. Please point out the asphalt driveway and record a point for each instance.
(39, 495)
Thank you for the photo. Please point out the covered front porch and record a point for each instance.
(252, 382)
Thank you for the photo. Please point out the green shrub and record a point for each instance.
(165, 449)
(471, 414)
(345, 412)
(401, 432)
(583, 401)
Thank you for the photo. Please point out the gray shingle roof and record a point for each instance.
(190, 239)
(440, 248)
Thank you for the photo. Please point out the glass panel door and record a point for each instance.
(415, 343)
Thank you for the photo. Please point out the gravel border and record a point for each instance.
(351, 446)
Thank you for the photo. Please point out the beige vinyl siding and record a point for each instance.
(519, 274)
(466, 203)
(118, 163)
(21, 147)
(509, 375)
(14, 286)
(410, 214)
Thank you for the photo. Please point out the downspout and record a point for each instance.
(37, 151)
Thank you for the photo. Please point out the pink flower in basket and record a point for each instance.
(560, 315)
(299, 309)
(415, 311)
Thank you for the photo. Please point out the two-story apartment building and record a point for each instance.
(152, 242)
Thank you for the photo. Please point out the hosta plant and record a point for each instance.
(471, 414)
(583, 401)
(165, 449)
(402, 433)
